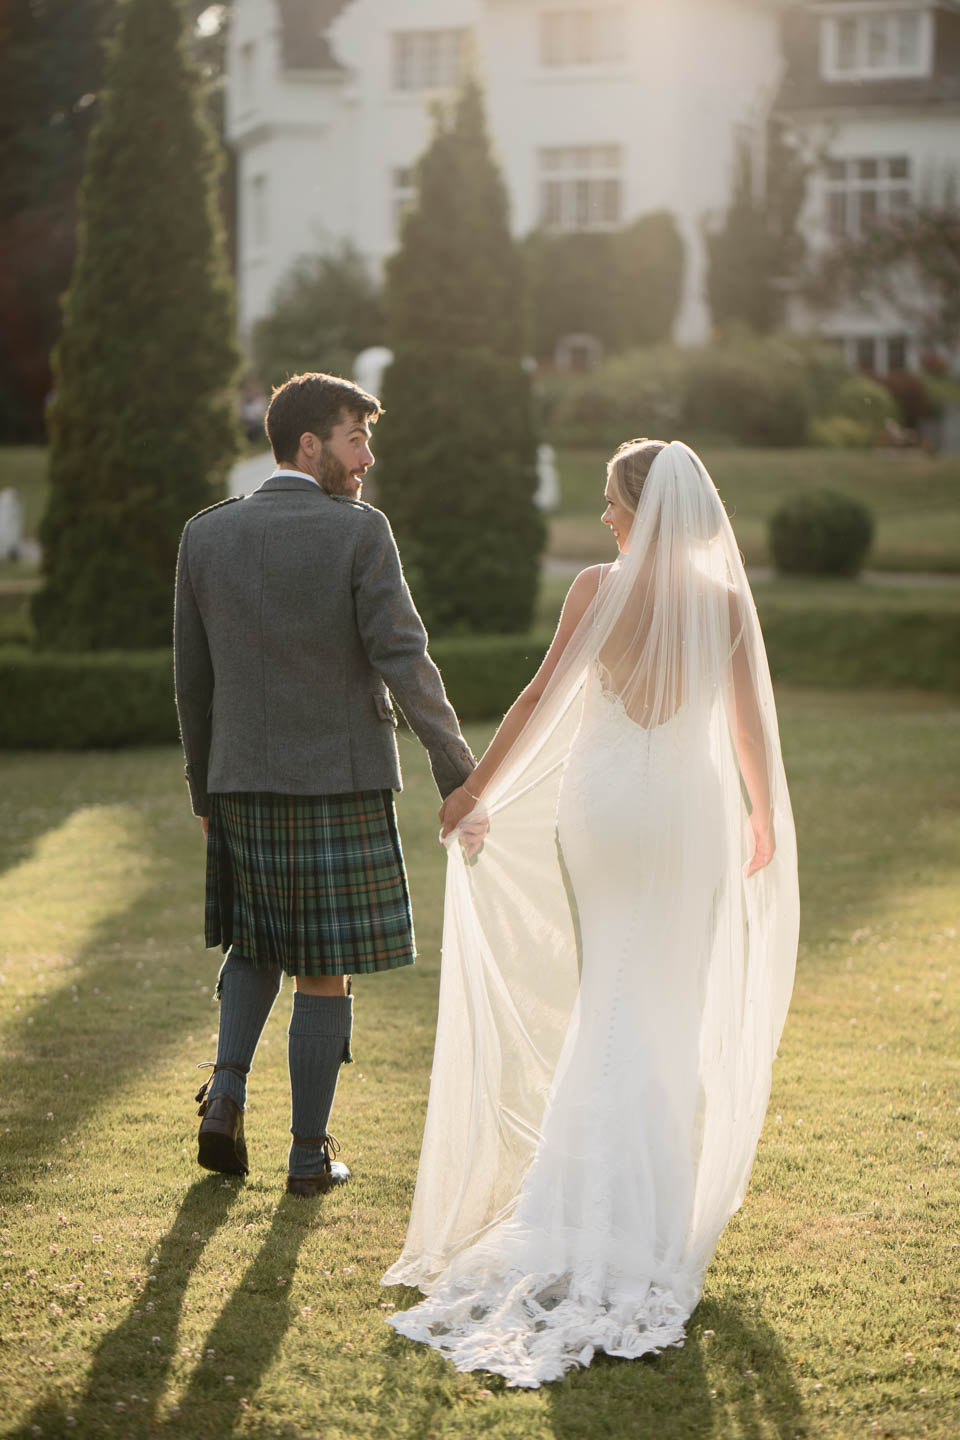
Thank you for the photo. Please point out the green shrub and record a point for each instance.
(747, 392)
(820, 533)
(855, 648)
(839, 432)
(746, 389)
(623, 287)
(637, 393)
(86, 701)
(324, 310)
(109, 700)
(105, 700)
(866, 401)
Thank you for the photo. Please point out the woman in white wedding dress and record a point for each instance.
(620, 935)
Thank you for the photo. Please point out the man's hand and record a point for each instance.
(764, 844)
(205, 826)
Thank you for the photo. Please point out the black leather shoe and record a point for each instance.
(309, 1186)
(220, 1143)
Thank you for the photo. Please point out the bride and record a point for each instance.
(620, 934)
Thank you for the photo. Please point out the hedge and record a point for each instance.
(50, 701)
(76, 702)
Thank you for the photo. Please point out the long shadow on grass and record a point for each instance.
(730, 1378)
(106, 1029)
(134, 1359)
(132, 1364)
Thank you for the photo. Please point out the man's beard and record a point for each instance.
(333, 475)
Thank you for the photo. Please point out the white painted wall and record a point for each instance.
(691, 73)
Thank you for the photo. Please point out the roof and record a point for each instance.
(803, 88)
(304, 39)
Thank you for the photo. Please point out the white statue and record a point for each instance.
(548, 483)
(11, 525)
(369, 368)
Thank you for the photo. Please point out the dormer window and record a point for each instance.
(875, 42)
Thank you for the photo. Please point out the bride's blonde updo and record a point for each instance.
(629, 467)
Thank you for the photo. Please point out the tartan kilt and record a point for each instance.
(314, 883)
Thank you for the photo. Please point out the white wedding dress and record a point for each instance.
(608, 1020)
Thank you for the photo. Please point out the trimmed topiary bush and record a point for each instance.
(457, 445)
(821, 533)
(142, 426)
(109, 700)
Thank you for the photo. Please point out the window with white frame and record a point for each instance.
(881, 44)
(582, 36)
(878, 354)
(581, 187)
(428, 59)
(403, 193)
(860, 192)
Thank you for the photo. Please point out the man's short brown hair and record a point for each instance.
(313, 402)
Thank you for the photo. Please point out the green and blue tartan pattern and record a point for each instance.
(314, 883)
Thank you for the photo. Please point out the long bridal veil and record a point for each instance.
(668, 661)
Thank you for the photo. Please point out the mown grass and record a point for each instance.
(915, 500)
(141, 1297)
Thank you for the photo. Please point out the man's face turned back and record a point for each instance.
(346, 457)
(339, 463)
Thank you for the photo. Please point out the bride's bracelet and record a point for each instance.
(473, 797)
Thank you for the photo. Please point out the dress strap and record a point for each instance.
(596, 598)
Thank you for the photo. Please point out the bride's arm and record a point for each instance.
(747, 728)
(460, 802)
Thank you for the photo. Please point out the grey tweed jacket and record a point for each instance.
(292, 623)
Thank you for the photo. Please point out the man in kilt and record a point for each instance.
(293, 628)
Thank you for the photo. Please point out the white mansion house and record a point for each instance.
(599, 111)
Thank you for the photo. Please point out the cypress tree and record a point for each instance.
(457, 449)
(142, 430)
(759, 245)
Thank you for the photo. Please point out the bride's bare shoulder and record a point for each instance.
(585, 586)
(581, 594)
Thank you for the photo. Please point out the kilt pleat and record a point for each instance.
(314, 883)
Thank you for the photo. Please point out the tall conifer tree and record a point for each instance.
(457, 449)
(141, 424)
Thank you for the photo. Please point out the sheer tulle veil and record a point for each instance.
(671, 640)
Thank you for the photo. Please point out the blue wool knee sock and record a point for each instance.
(247, 993)
(319, 1042)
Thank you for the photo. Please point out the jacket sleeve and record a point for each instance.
(193, 681)
(396, 645)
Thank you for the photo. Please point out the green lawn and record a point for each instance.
(141, 1297)
(915, 500)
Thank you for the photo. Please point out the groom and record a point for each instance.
(293, 627)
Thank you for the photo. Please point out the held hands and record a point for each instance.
(454, 811)
(764, 843)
